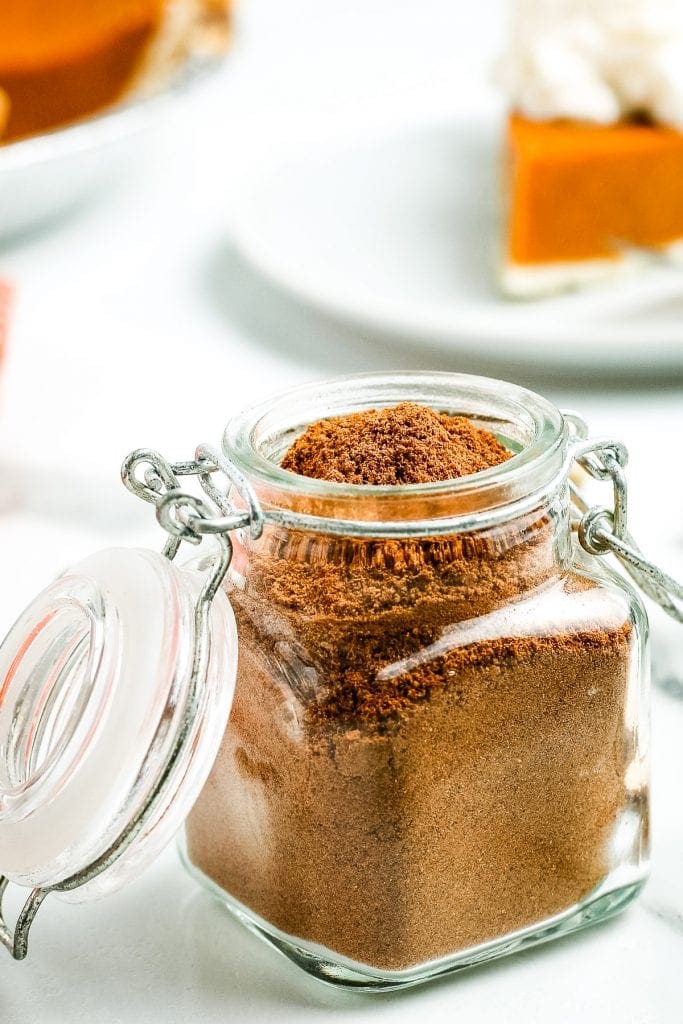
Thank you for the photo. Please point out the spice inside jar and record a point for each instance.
(431, 735)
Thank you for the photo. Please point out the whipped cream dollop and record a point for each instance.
(596, 60)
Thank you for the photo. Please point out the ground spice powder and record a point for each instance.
(425, 750)
(404, 444)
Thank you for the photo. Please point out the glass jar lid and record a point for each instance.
(112, 708)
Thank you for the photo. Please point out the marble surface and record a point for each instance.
(138, 324)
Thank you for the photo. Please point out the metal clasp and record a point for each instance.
(603, 531)
(183, 515)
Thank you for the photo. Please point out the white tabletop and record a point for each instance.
(137, 324)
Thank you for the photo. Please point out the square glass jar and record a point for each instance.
(437, 750)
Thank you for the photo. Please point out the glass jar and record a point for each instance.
(437, 750)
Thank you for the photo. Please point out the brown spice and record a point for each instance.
(425, 750)
(404, 444)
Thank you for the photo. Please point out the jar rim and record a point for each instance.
(251, 436)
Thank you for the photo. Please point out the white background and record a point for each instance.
(138, 324)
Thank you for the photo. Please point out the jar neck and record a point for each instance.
(532, 428)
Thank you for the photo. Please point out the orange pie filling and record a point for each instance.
(582, 192)
(61, 60)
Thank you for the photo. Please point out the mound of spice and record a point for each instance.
(404, 444)
(425, 750)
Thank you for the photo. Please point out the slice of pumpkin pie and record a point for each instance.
(62, 60)
(580, 194)
(594, 147)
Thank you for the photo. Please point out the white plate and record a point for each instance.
(44, 176)
(399, 234)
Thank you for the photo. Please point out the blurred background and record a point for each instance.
(294, 210)
(325, 199)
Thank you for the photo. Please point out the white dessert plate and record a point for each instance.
(399, 234)
(45, 176)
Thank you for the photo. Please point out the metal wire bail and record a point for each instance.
(16, 941)
(603, 531)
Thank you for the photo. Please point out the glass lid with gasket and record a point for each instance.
(117, 683)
